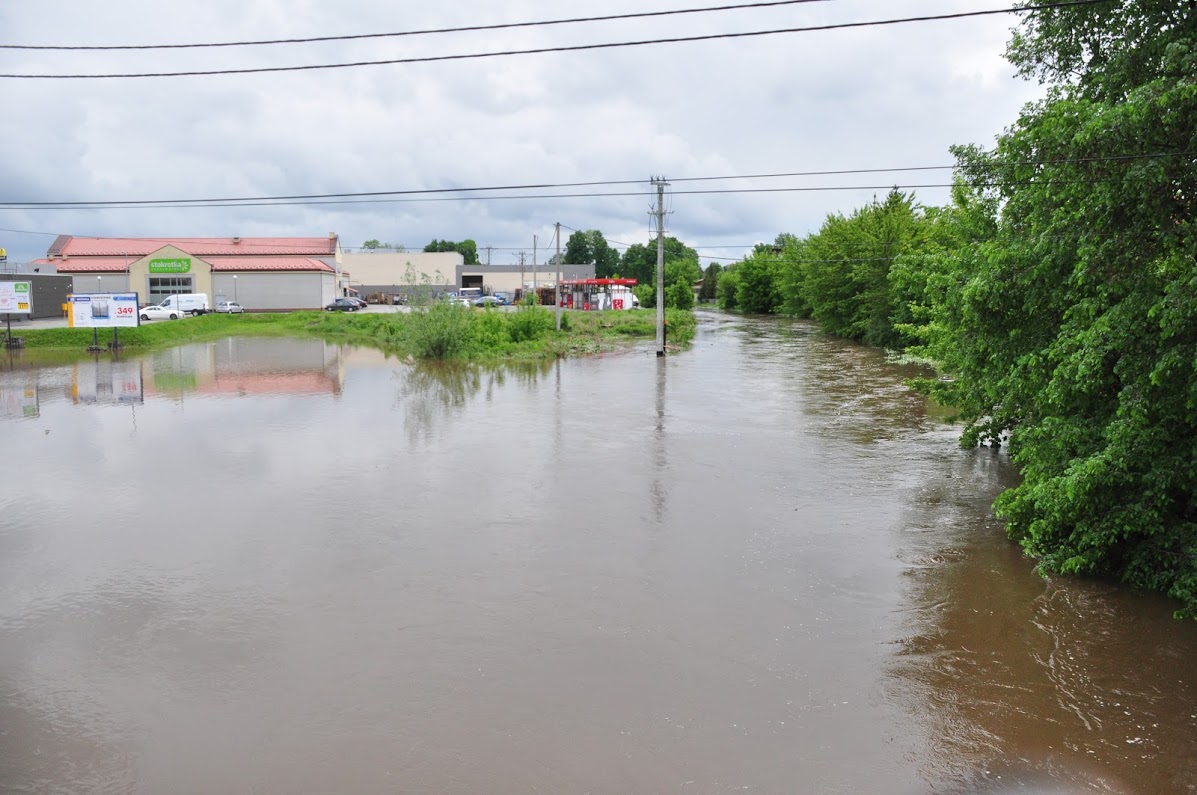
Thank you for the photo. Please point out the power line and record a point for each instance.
(332, 202)
(425, 32)
(542, 50)
(368, 197)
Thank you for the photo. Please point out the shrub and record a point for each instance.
(441, 331)
(679, 295)
(529, 323)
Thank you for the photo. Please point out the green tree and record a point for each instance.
(1074, 333)
(584, 248)
(640, 261)
(467, 248)
(710, 282)
(727, 291)
(374, 245)
(679, 295)
(756, 282)
(846, 278)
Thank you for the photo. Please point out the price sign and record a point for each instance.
(104, 310)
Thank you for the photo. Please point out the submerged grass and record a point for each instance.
(443, 332)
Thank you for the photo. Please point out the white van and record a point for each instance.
(187, 303)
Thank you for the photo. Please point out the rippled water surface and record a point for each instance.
(270, 565)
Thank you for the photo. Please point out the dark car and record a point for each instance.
(342, 305)
(490, 300)
(360, 303)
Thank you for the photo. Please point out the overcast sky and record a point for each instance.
(882, 97)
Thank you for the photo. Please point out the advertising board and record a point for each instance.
(15, 297)
(104, 310)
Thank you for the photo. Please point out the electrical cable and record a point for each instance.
(332, 202)
(300, 198)
(425, 32)
(543, 50)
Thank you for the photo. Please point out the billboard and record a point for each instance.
(16, 297)
(104, 310)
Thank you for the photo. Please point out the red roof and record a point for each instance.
(600, 282)
(69, 246)
(223, 264)
(89, 265)
(269, 264)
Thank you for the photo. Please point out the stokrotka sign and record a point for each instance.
(178, 265)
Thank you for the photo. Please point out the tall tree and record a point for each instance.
(640, 261)
(467, 248)
(846, 277)
(584, 248)
(1074, 333)
(710, 282)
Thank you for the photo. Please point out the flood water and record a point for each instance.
(762, 565)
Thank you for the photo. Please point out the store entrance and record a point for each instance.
(163, 286)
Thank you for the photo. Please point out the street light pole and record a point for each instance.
(235, 301)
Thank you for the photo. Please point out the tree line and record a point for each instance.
(1056, 292)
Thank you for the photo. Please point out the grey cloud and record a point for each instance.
(882, 97)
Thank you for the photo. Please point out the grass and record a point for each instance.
(442, 332)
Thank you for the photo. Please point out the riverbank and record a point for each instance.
(441, 332)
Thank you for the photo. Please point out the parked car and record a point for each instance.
(230, 307)
(342, 305)
(360, 303)
(490, 300)
(157, 312)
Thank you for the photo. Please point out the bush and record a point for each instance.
(441, 331)
(529, 323)
(679, 295)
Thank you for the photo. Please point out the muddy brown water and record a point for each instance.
(760, 565)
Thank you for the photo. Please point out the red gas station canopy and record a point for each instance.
(599, 282)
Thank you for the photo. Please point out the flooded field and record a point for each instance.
(271, 565)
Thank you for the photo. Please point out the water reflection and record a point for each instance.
(725, 570)
(18, 395)
(659, 490)
(1021, 682)
(434, 392)
(244, 366)
(107, 379)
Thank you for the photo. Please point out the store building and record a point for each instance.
(264, 273)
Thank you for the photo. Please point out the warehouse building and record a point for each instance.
(509, 278)
(401, 272)
(262, 273)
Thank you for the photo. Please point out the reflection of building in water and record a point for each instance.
(106, 380)
(248, 366)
